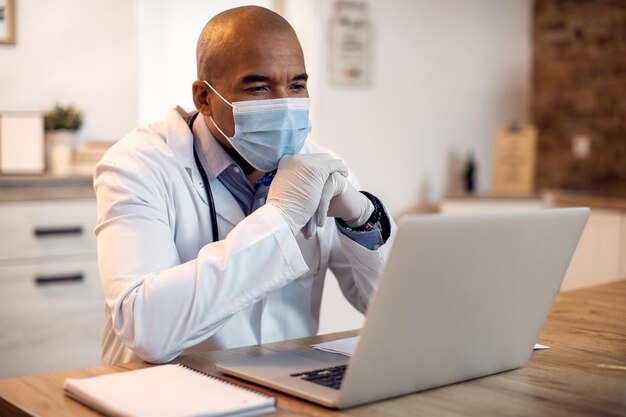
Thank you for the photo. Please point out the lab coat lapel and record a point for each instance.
(180, 140)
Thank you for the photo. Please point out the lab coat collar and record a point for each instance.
(220, 160)
(180, 141)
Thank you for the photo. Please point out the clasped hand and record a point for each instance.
(309, 188)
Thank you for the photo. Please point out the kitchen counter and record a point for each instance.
(602, 199)
(608, 198)
(44, 187)
(490, 196)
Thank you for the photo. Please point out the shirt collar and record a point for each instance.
(206, 145)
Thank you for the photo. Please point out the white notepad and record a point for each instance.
(166, 390)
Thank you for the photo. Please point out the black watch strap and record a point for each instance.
(377, 218)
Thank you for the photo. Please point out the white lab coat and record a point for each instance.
(169, 289)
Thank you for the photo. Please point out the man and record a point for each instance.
(182, 276)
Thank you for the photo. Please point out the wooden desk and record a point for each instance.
(583, 374)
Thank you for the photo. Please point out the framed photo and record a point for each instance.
(350, 44)
(7, 22)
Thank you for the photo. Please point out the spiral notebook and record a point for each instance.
(166, 390)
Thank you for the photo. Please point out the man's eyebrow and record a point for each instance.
(301, 77)
(254, 78)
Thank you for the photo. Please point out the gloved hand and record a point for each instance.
(340, 199)
(297, 187)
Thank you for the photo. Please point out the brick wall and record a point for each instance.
(579, 88)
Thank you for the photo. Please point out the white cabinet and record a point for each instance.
(51, 301)
(598, 255)
(47, 228)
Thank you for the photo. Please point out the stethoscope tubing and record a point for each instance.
(207, 186)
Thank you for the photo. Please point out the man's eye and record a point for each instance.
(298, 87)
(257, 88)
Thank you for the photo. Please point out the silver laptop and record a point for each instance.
(461, 296)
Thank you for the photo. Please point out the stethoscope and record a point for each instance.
(205, 180)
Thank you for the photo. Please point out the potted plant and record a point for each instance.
(61, 124)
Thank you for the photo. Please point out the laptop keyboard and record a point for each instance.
(329, 377)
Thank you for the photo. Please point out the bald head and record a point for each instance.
(247, 53)
(222, 37)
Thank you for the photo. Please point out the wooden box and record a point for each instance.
(514, 158)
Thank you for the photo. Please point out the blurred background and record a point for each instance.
(439, 106)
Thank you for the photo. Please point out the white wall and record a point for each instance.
(445, 74)
(168, 32)
(81, 52)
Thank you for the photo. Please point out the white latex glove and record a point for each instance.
(340, 199)
(297, 187)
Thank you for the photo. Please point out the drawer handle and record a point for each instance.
(54, 279)
(58, 231)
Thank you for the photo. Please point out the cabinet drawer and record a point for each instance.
(49, 323)
(47, 228)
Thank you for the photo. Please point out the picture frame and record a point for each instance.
(7, 22)
(22, 143)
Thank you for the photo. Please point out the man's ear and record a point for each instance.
(200, 97)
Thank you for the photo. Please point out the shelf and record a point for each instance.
(45, 187)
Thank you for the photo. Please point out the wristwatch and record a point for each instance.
(377, 221)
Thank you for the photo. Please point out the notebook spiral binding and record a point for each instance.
(223, 381)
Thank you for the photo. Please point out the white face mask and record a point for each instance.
(267, 130)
